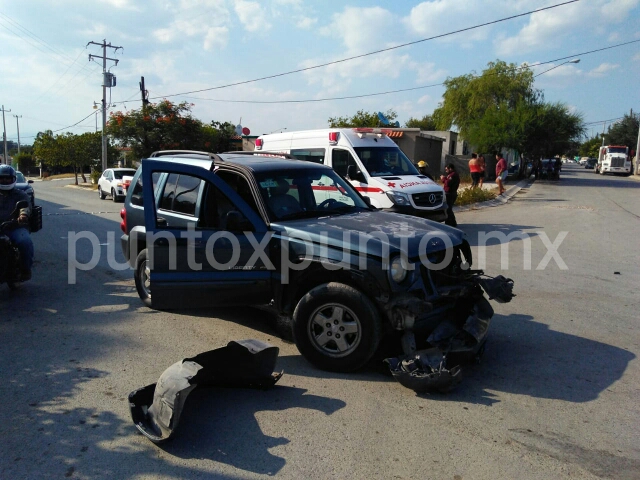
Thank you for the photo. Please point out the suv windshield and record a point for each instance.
(385, 161)
(307, 193)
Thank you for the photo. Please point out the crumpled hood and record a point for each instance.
(374, 232)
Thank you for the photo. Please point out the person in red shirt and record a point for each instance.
(450, 182)
(501, 172)
(474, 169)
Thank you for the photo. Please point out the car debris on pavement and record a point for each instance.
(156, 408)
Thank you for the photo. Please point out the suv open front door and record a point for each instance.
(205, 256)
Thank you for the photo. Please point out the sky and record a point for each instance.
(48, 81)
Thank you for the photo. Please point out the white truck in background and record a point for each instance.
(613, 159)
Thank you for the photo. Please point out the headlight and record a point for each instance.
(399, 198)
(397, 270)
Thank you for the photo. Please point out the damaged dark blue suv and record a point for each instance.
(240, 228)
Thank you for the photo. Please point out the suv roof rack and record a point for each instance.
(261, 153)
(183, 153)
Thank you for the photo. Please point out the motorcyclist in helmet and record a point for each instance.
(9, 197)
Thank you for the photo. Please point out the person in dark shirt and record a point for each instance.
(451, 182)
(9, 197)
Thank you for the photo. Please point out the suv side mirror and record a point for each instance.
(354, 173)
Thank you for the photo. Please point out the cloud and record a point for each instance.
(251, 15)
(436, 17)
(428, 72)
(306, 23)
(602, 69)
(544, 28)
(207, 19)
(122, 4)
(362, 29)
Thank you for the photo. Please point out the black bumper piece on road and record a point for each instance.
(156, 408)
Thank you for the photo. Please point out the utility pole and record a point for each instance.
(637, 172)
(144, 94)
(108, 80)
(18, 127)
(4, 136)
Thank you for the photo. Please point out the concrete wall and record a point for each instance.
(449, 147)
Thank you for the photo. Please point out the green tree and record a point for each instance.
(489, 110)
(552, 130)
(624, 132)
(361, 119)
(425, 123)
(47, 150)
(164, 126)
(23, 161)
(589, 148)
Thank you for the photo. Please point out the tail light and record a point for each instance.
(123, 223)
(258, 144)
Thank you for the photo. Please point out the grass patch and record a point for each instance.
(61, 175)
(474, 195)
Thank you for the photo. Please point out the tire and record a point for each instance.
(101, 193)
(114, 197)
(350, 314)
(141, 278)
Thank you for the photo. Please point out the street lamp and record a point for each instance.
(95, 107)
(576, 60)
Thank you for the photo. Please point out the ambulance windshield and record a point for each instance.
(385, 161)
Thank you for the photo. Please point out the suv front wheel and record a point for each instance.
(336, 327)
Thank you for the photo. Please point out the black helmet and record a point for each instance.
(7, 177)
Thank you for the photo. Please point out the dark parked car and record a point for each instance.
(591, 163)
(204, 230)
(25, 185)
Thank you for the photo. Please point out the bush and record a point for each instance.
(474, 195)
(95, 175)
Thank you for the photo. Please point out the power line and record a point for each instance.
(381, 93)
(375, 52)
(346, 97)
(42, 42)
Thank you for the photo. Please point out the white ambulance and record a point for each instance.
(371, 161)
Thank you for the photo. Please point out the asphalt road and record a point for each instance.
(556, 395)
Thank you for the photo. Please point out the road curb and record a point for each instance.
(499, 200)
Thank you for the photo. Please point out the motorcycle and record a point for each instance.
(9, 253)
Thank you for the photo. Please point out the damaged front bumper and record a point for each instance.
(156, 408)
(454, 334)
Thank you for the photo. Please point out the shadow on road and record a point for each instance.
(221, 425)
(525, 357)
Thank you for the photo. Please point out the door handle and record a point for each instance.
(161, 222)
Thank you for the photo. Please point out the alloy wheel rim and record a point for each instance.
(334, 330)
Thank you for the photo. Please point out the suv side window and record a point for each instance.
(186, 195)
(168, 193)
(341, 160)
(214, 212)
(136, 195)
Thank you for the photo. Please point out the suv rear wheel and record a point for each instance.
(336, 327)
(141, 277)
